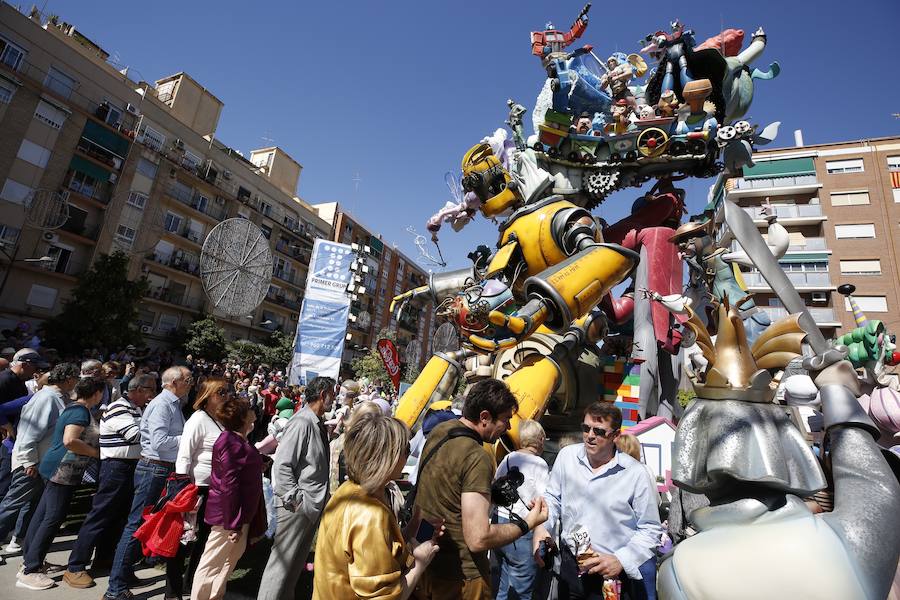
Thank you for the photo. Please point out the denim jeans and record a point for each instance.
(149, 481)
(517, 568)
(111, 502)
(5, 470)
(18, 505)
(45, 524)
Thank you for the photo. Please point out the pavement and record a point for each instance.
(59, 555)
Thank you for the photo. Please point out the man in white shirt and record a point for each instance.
(120, 450)
(602, 508)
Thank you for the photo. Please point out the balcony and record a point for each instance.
(186, 264)
(98, 153)
(196, 201)
(178, 298)
(786, 212)
(810, 244)
(282, 300)
(190, 235)
(97, 192)
(824, 317)
(773, 186)
(91, 232)
(809, 280)
(284, 275)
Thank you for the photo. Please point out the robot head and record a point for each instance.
(486, 178)
(549, 26)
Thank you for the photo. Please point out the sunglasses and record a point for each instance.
(600, 433)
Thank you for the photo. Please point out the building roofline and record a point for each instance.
(812, 147)
(180, 74)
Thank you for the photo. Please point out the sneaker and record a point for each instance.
(126, 595)
(78, 580)
(50, 567)
(2, 561)
(35, 581)
(13, 547)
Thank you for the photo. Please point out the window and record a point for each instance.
(853, 165)
(125, 235)
(61, 257)
(8, 235)
(868, 304)
(13, 191)
(201, 203)
(849, 198)
(147, 168)
(861, 267)
(865, 230)
(137, 200)
(10, 54)
(59, 82)
(167, 323)
(267, 230)
(83, 184)
(893, 163)
(191, 160)
(41, 296)
(265, 208)
(166, 91)
(34, 154)
(113, 113)
(153, 139)
(7, 91)
(49, 114)
(173, 222)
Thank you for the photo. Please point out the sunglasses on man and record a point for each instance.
(600, 433)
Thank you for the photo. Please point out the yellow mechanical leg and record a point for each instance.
(437, 381)
(532, 385)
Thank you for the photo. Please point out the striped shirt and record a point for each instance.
(120, 435)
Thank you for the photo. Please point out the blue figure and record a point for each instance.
(577, 88)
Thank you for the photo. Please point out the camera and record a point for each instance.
(505, 490)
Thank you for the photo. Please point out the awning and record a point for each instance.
(788, 167)
(89, 168)
(105, 138)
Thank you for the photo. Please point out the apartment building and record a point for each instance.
(139, 169)
(390, 273)
(841, 204)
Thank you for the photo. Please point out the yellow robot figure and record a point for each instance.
(550, 271)
(550, 256)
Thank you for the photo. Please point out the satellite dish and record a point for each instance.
(364, 320)
(236, 267)
(445, 339)
(412, 352)
(46, 210)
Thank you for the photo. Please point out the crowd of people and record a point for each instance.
(195, 462)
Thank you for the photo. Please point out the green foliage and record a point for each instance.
(411, 371)
(204, 338)
(370, 366)
(102, 312)
(276, 352)
(685, 396)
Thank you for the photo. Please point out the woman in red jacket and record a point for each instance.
(234, 508)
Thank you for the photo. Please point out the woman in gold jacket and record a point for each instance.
(360, 550)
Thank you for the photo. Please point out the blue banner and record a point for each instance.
(319, 342)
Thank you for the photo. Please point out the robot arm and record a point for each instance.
(579, 26)
(561, 294)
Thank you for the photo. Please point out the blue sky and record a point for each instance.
(398, 91)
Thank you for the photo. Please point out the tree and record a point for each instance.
(102, 311)
(370, 366)
(281, 349)
(204, 338)
(277, 351)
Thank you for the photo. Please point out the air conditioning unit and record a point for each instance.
(226, 174)
(178, 144)
(113, 177)
(132, 109)
(49, 236)
(820, 296)
(146, 329)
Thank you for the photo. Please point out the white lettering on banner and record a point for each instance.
(388, 357)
